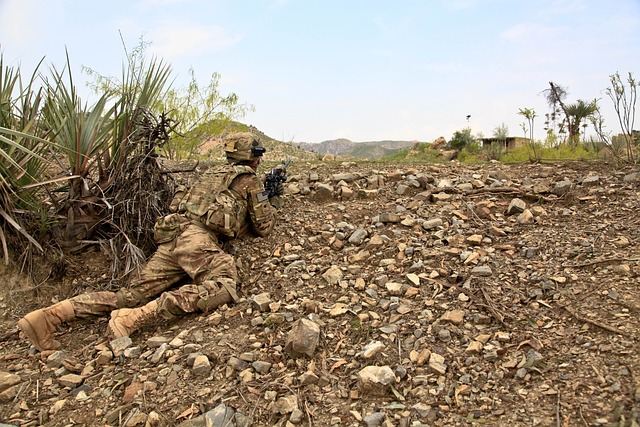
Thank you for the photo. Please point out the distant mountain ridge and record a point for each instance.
(366, 150)
(341, 147)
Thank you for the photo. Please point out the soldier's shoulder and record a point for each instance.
(244, 169)
(216, 169)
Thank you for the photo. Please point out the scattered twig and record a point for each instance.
(593, 322)
(509, 190)
(601, 261)
(474, 215)
(9, 334)
(582, 417)
(558, 410)
(491, 306)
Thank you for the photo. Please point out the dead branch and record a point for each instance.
(509, 191)
(594, 323)
(602, 261)
(491, 307)
(172, 171)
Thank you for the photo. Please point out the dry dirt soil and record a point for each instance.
(495, 295)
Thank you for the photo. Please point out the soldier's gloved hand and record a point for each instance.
(279, 190)
(276, 202)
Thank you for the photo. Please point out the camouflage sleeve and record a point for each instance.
(261, 212)
(261, 216)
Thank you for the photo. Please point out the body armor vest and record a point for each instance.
(212, 203)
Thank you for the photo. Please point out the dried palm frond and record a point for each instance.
(139, 194)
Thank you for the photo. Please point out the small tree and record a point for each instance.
(530, 115)
(461, 139)
(499, 145)
(574, 113)
(624, 99)
(199, 113)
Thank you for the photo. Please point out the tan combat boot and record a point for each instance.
(126, 321)
(40, 325)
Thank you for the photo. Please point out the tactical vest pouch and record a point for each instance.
(224, 215)
(169, 227)
(181, 192)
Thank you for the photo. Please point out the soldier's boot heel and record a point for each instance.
(39, 325)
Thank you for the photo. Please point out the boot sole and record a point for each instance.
(28, 330)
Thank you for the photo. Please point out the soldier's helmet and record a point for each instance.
(242, 147)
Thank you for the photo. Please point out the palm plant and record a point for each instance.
(97, 141)
(576, 113)
(22, 153)
(82, 135)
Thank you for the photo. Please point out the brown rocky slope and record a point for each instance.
(388, 295)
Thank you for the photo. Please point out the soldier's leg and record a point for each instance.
(160, 273)
(213, 271)
(39, 325)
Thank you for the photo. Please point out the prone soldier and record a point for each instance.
(227, 202)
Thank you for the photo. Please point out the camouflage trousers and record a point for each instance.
(195, 256)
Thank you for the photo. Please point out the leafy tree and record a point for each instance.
(199, 113)
(501, 132)
(461, 139)
(576, 113)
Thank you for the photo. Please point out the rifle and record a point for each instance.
(275, 178)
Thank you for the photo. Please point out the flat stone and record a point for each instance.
(516, 206)
(436, 363)
(157, 341)
(286, 404)
(8, 379)
(303, 338)
(119, 345)
(454, 316)
(371, 349)
(261, 301)
(482, 271)
(71, 380)
(201, 365)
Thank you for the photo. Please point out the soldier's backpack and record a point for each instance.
(210, 201)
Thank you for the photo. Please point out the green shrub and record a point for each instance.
(561, 152)
(461, 139)
(472, 153)
(420, 153)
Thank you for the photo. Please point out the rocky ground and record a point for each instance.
(395, 295)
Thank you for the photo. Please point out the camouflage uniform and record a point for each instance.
(193, 253)
(227, 202)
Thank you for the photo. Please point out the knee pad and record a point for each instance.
(128, 298)
(212, 295)
(168, 307)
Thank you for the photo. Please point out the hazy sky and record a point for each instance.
(358, 69)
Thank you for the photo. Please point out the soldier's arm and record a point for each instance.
(261, 215)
